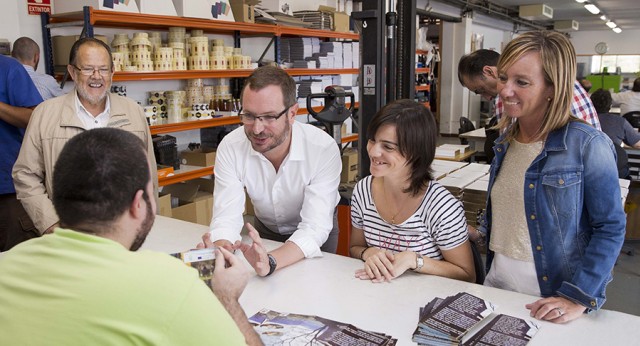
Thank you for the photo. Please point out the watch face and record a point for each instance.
(602, 48)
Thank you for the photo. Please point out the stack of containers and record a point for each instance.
(194, 92)
(120, 51)
(159, 99)
(175, 100)
(163, 59)
(217, 60)
(198, 58)
(140, 52)
(176, 42)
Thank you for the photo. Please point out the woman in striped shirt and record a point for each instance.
(402, 218)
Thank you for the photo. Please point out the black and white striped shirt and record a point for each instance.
(438, 223)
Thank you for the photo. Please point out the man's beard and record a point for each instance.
(145, 227)
(94, 100)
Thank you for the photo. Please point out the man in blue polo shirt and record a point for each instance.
(18, 96)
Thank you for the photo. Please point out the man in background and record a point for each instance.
(27, 52)
(290, 170)
(86, 283)
(18, 96)
(55, 121)
(478, 72)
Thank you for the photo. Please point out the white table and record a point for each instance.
(477, 137)
(326, 287)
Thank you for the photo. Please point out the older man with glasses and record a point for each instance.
(290, 171)
(57, 120)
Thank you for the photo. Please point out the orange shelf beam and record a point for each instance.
(176, 178)
(422, 88)
(422, 70)
(193, 125)
(350, 138)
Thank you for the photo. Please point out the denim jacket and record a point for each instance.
(574, 213)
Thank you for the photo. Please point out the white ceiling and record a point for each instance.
(625, 13)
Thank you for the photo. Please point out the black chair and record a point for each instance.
(622, 162)
(465, 126)
(478, 262)
(491, 135)
(633, 118)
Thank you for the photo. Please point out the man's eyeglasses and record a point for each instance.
(88, 71)
(265, 119)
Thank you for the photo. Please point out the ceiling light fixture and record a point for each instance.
(617, 30)
(611, 24)
(581, 1)
(592, 8)
(603, 17)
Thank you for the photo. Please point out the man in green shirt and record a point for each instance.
(86, 284)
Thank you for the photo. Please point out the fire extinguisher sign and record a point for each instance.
(35, 7)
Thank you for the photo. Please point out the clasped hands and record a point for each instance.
(255, 253)
(383, 265)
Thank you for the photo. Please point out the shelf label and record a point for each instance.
(369, 76)
(35, 7)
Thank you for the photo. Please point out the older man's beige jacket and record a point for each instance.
(51, 126)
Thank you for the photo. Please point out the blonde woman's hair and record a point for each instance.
(558, 59)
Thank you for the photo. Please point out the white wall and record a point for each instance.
(625, 42)
(15, 23)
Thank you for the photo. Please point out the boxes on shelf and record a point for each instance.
(162, 7)
(65, 6)
(243, 10)
(349, 165)
(164, 204)
(207, 9)
(340, 19)
(195, 200)
(204, 157)
(62, 47)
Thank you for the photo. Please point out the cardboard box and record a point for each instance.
(65, 6)
(161, 7)
(62, 47)
(203, 157)
(164, 205)
(207, 9)
(349, 165)
(195, 200)
(340, 19)
(243, 10)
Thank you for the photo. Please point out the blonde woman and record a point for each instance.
(554, 220)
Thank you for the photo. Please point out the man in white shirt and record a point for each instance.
(27, 52)
(290, 170)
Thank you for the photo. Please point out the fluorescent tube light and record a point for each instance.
(581, 1)
(592, 8)
(611, 24)
(603, 17)
(617, 30)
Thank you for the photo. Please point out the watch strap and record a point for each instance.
(272, 264)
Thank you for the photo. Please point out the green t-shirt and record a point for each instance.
(71, 288)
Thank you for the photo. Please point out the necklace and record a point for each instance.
(384, 194)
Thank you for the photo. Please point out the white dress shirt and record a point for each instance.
(299, 199)
(627, 100)
(90, 121)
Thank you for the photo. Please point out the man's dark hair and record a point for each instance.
(24, 49)
(73, 54)
(601, 100)
(416, 132)
(636, 85)
(471, 65)
(265, 76)
(97, 176)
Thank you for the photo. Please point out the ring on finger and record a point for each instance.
(560, 312)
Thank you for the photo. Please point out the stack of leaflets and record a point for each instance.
(277, 328)
(202, 259)
(448, 322)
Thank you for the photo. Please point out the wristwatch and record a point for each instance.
(272, 264)
(419, 262)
